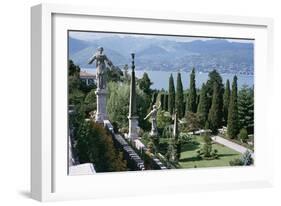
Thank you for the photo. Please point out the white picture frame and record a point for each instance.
(49, 179)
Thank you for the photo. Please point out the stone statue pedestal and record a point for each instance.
(101, 114)
(133, 128)
(153, 133)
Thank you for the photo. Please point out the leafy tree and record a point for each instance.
(179, 97)
(233, 120)
(86, 88)
(163, 119)
(171, 103)
(95, 145)
(214, 77)
(73, 69)
(213, 117)
(144, 84)
(76, 96)
(76, 87)
(118, 104)
(90, 101)
(203, 110)
(192, 96)
(115, 74)
(76, 117)
(226, 100)
(246, 108)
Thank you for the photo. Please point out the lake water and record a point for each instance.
(160, 79)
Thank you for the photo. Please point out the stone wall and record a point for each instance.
(133, 159)
(154, 161)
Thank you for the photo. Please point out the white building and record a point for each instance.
(87, 77)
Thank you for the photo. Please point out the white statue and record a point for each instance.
(101, 61)
(153, 115)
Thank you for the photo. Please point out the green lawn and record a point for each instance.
(189, 156)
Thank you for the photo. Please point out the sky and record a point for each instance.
(91, 36)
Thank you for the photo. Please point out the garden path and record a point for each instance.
(239, 148)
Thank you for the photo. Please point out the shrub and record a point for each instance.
(243, 135)
(245, 160)
(185, 138)
(151, 147)
(236, 162)
(206, 151)
(215, 154)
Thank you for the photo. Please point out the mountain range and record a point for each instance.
(168, 55)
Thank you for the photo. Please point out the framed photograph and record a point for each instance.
(136, 102)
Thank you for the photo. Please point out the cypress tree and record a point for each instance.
(185, 103)
(202, 109)
(179, 97)
(233, 120)
(171, 102)
(246, 109)
(213, 117)
(214, 76)
(154, 98)
(226, 99)
(162, 96)
(191, 105)
(197, 101)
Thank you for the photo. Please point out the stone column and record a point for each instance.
(101, 114)
(133, 118)
(175, 127)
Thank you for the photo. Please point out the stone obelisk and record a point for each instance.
(133, 118)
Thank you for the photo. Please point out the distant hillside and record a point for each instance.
(83, 56)
(76, 45)
(167, 55)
